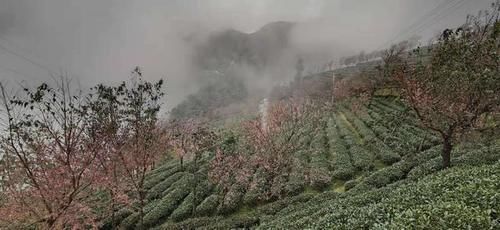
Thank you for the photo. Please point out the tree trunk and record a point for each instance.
(446, 153)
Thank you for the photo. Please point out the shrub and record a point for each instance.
(387, 156)
(350, 184)
(169, 202)
(274, 207)
(319, 178)
(130, 221)
(295, 184)
(119, 217)
(234, 222)
(425, 169)
(208, 206)
(232, 199)
(384, 176)
(203, 189)
(457, 198)
(257, 189)
(164, 166)
(154, 179)
(156, 191)
(184, 210)
(440, 215)
(363, 160)
(344, 173)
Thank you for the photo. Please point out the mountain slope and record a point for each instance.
(364, 160)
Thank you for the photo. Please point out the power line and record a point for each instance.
(12, 52)
(12, 71)
(433, 16)
(420, 20)
(439, 17)
(25, 58)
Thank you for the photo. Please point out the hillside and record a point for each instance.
(382, 169)
(232, 64)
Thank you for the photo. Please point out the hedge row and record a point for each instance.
(232, 199)
(166, 205)
(185, 209)
(156, 178)
(459, 198)
(275, 207)
(156, 191)
(208, 206)
(342, 165)
(234, 222)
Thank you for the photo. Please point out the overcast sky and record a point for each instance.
(102, 40)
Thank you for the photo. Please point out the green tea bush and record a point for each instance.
(156, 191)
(184, 210)
(203, 189)
(295, 184)
(131, 221)
(342, 165)
(385, 154)
(191, 223)
(208, 206)
(425, 169)
(350, 184)
(164, 166)
(440, 215)
(343, 168)
(169, 202)
(458, 198)
(232, 199)
(480, 156)
(235, 222)
(153, 180)
(118, 217)
(276, 206)
(363, 160)
(384, 176)
(257, 190)
(319, 178)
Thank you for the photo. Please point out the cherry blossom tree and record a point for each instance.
(48, 161)
(191, 138)
(61, 148)
(453, 92)
(141, 141)
(269, 150)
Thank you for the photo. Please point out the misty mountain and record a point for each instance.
(231, 62)
(258, 50)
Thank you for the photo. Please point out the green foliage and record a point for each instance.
(347, 148)
(384, 176)
(184, 210)
(231, 200)
(457, 198)
(156, 191)
(295, 184)
(350, 184)
(275, 207)
(342, 166)
(233, 222)
(169, 202)
(208, 206)
(130, 221)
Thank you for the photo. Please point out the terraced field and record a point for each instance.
(369, 161)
